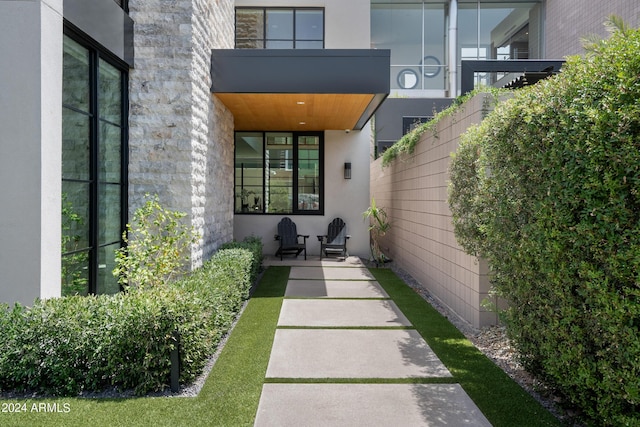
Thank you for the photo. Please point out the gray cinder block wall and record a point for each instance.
(180, 136)
(413, 190)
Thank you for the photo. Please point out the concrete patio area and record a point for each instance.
(340, 344)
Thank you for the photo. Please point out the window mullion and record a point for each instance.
(265, 172)
(264, 27)
(295, 14)
(124, 155)
(294, 196)
(93, 172)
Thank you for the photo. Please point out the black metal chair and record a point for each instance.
(335, 241)
(289, 239)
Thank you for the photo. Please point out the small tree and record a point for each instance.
(157, 246)
(378, 227)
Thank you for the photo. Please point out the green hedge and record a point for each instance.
(547, 188)
(76, 344)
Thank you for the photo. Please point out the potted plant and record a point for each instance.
(378, 227)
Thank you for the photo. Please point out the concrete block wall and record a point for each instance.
(180, 136)
(569, 21)
(413, 190)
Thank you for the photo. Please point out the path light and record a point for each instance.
(347, 170)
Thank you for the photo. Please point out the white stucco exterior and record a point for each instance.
(30, 149)
(344, 198)
(347, 23)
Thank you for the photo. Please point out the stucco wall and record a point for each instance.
(347, 26)
(567, 21)
(347, 23)
(181, 137)
(413, 190)
(344, 198)
(30, 149)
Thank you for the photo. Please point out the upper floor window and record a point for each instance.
(279, 28)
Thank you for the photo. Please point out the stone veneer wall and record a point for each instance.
(413, 190)
(180, 136)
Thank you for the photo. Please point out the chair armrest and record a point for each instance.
(276, 237)
(304, 236)
(321, 238)
(348, 236)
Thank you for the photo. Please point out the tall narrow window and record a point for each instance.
(93, 169)
(278, 172)
(279, 28)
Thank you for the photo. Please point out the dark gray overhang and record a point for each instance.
(300, 89)
(105, 22)
(469, 67)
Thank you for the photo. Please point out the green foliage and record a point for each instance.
(157, 246)
(407, 144)
(499, 398)
(74, 278)
(76, 344)
(547, 189)
(254, 245)
(378, 227)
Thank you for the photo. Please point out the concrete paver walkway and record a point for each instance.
(339, 336)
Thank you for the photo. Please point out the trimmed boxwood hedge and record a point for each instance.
(547, 188)
(70, 345)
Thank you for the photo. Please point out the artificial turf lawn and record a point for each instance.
(231, 393)
(229, 397)
(500, 399)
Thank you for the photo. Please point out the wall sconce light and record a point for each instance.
(347, 170)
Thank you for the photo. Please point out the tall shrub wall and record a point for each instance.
(547, 188)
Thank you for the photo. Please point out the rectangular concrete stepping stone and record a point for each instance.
(335, 289)
(341, 313)
(313, 261)
(366, 405)
(331, 273)
(353, 353)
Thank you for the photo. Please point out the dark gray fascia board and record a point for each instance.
(300, 71)
(371, 109)
(469, 67)
(106, 23)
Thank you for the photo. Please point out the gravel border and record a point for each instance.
(493, 342)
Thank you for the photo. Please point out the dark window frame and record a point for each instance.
(97, 53)
(295, 210)
(264, 26)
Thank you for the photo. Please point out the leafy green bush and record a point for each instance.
(407, 144)
(76, 344)
(252, 244)
(157, 246)
(547, 188)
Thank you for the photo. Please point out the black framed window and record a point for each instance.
(94, 165)
(279, 28)
(279, 173)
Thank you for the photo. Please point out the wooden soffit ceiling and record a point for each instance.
(296, 112)
(300, 89)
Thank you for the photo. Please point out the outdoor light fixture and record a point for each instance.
(347, 170)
